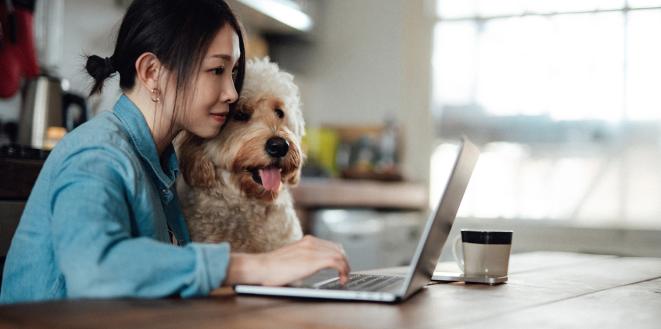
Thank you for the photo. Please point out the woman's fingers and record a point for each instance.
(342, 268)
(301, 259)
(336, 249)
(332, 256)
(328, 244)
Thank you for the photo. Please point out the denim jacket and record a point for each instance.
(96, 223)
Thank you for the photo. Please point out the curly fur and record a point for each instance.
(220, 199)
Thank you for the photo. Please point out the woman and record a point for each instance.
(103, 219)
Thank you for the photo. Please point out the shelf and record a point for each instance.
(339, 193)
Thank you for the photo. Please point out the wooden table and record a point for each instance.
(545, 290)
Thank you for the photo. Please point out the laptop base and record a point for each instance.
(317, 293)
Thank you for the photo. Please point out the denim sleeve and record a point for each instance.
(94, 249)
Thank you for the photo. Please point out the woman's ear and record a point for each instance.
(148, 70)
(196, 167)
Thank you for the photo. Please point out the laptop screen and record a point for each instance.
(440, 221)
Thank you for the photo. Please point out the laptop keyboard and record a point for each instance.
(364, 282)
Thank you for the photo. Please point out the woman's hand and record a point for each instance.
(287, 264)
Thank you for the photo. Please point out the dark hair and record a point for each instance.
(178, 32)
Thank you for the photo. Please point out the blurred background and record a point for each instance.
(560, 95)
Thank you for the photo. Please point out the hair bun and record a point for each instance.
(100, 69)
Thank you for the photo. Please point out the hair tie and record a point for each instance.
(110, 67)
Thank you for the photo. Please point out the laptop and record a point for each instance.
(385, 287)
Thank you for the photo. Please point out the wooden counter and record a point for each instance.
(340, 193)
(320, 193)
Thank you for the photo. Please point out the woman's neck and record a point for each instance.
(159, 124)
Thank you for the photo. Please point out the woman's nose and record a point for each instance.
(229, 94)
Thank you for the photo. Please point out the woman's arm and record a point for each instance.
(93, 242)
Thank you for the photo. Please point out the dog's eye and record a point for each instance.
(280, 113)
(241, 116)
(235, 73)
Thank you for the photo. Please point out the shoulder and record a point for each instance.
(99, 143)
(102, 129)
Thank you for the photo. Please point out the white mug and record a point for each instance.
(485, 253)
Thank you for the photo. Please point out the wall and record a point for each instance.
(9, 108)
(370, 59)
(90, 28)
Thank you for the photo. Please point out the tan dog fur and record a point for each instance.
(220, 199)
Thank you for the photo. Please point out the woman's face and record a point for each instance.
(213, 90)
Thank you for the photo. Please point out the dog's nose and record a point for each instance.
(277, 147)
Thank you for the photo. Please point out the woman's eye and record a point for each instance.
(280, 113)
(235, 72)
(218, 70)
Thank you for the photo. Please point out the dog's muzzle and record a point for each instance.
(269, 177)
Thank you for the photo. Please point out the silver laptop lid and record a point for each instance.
(440, 221)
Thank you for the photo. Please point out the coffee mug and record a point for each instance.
(485, 253)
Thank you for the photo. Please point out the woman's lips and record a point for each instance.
(219, 117)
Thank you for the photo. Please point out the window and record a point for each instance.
(565, 98)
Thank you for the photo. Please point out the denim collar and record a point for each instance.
(142, 140)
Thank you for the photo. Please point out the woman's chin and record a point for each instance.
(207, 133)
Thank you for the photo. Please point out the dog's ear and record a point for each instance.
(195, 165)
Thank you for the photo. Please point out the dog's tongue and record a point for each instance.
(270, 179)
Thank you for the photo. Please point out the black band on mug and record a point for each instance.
(486, 237)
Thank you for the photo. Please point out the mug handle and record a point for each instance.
(455, 253)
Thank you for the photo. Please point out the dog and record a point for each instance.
(235, 186)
